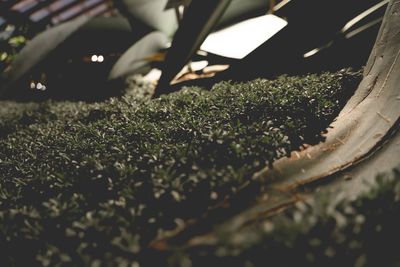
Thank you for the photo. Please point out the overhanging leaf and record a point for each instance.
(150, 12)
(38, 48)
(199, 19)
(138, 55)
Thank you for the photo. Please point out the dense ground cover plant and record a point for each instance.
(325, 231)
(95, 183)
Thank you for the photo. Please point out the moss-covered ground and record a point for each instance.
(94, 184)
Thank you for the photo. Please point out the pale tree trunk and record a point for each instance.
(364, 140)
(364, 125)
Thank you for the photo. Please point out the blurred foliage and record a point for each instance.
(93, 184)
(15, 38)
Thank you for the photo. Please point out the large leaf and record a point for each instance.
(239, 10)
(202, 19)
(236, 11)
(138, 56)
(38, 49)
(95, 35)
(199, 19)
(177, 3)
(150, 12)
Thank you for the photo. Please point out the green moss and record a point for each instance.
(82, 183)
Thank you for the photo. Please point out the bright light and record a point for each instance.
(153, 75)
(198, 65)
(181, 10)
(39, 86)
(193, 66)
(33, 85)
(100, 58)
(311, 53)
(94, 58)
(239, 40)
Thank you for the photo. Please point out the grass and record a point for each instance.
(84, 184)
